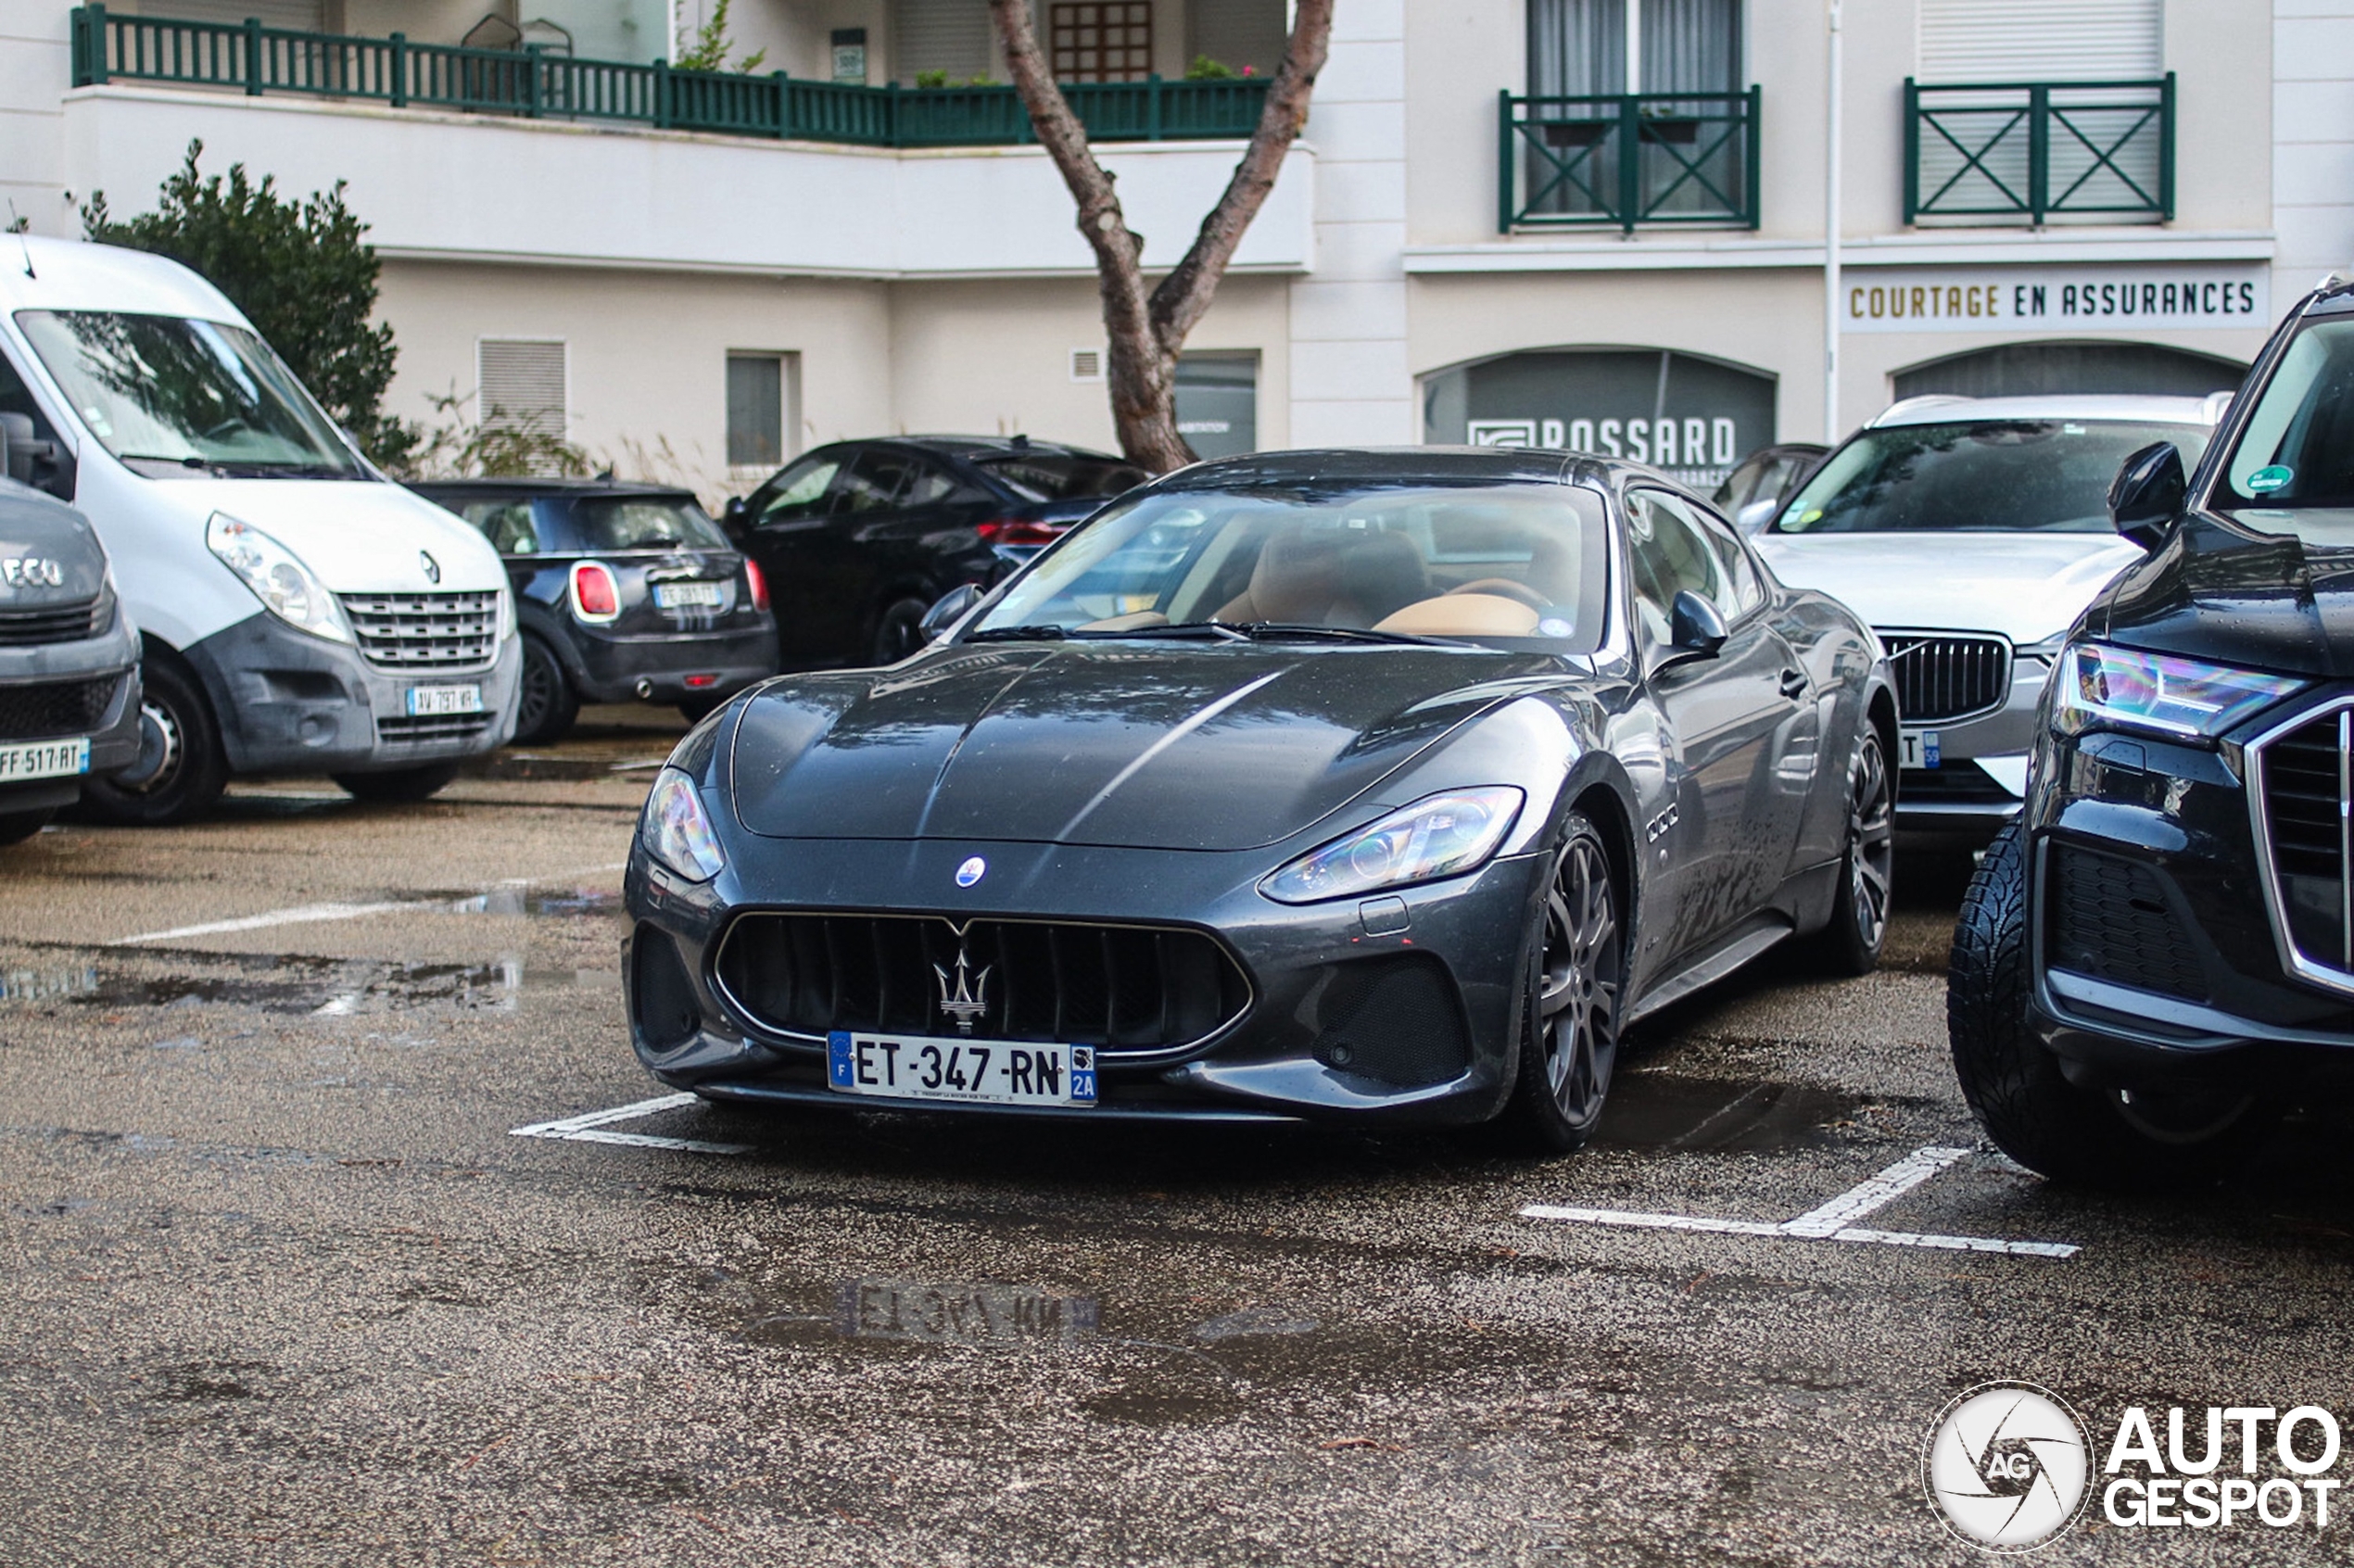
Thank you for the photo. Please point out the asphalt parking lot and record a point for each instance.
(342, 1228)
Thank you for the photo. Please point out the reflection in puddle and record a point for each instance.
(321, 987)
(44, 985)
(1253, 1320)
(518, 898)
(1661, 1110)
(954, 1314)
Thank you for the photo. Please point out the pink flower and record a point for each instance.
(1249, 71)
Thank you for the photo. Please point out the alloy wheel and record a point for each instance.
(1871, 842)
(1578, 985)
(159, 727)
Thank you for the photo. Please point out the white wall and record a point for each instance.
(2313, 142)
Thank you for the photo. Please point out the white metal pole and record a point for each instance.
(1831, 430)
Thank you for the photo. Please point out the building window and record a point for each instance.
(1101, 42)
(758, 387)
(1218, 403)
(522, 384)
(1975, 40)
(953, 39)
(1582, 48)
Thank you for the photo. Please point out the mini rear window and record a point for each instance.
(622, 522)
(1042, 477)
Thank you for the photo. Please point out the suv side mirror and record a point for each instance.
(1696, 628)
(1756, 515)
(734, 518)
(2147, 494)
(28, 459)
(947, 610)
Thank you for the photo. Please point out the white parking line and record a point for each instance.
(1828, 1221)
(304, 913)
(586, 1128)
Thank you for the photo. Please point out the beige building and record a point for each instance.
(1597, 223)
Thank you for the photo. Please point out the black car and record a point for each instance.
(1381, 785)
(859, 538)
(623, 591)
(1757, 484)
(2160, 954)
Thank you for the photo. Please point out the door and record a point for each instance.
(785, 533)
(1727, 720)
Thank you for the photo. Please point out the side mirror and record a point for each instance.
(1696, 628)
(28, 459)
(2147, 494)
(1754, 516)
(947, 610)
(16, 446)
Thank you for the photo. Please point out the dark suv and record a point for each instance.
(859, 538)
(623, 591)
(2160, 953)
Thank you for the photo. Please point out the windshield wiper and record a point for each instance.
(188, 461)
(1304, 631)
(1017, 634)
(1224, 631)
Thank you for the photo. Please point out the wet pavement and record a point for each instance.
(282, 1287)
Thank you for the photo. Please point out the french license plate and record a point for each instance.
(687, 596)
(1916, 748)
(434, 701)
(45, 759)
(982, 1072)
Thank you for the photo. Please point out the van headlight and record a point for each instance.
(506, 614)
(1437, 836)
(2097, 685)
(676, 833)
(286, 588)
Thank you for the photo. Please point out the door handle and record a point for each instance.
(1794, 684)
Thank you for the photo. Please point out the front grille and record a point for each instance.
(68, 622)
(1118, 988)
(2302, 793)
(446, 727)
(2109, 920)
(50, 709)
(1940, 680)
(412, 631)
(1959, 783)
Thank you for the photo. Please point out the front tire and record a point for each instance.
(15, 826)
(181, 769)
(399, 786)
(899, 630)
(2014, 1087)
(547, 704)
(1851, 944)
(1569, 1032)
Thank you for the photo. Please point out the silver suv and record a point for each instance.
(1971, 531)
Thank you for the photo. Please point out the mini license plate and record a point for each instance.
(1916, 748)
(434, 701)
(982, 1072)
(687, 596)
(45, 759)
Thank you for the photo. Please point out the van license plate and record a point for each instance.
(45, 759)
(437, 701)
(1916, 748)
(985, 1072)
(686, 596)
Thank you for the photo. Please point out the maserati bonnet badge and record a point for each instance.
(971, 871)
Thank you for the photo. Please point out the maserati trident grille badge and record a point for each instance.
(967, 996)
(432, 567)
(971, 871)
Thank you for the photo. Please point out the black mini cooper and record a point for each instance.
(2160, 953)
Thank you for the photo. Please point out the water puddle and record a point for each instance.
(1661, 1110)
(317, 987)
(961, 1314)
(48, 985)
(520, 899)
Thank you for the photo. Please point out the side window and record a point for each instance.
(929, 484)
(875, 481)
(506, 523)
(799, 491)
(1666, 555)
(1739, 570)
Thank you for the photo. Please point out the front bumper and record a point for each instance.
(609, 668)
(1981, 779)
(1465, 936)
(2152, 950)
(289, 701)
(113, 658)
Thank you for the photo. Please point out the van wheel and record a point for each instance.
(399, 785)
(15, 826)
(547, 703)
(181, 769)
(899, 630)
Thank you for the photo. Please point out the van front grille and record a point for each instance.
(420, 631)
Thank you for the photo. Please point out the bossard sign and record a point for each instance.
(2140, 298)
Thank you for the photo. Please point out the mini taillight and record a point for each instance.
(1014, 531)
(702, 682)
(595, 595)
(757, 584)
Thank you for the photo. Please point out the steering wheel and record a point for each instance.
(1504, 588)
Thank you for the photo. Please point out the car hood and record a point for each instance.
(1190, 747)
(360, 536)
(2027, 587)
(2215, 592)
(49, 554)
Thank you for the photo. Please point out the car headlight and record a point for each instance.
(676, 831)
(1437, 836)
(277, 577)
(2160, 693)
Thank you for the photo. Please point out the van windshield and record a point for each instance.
(163, 393)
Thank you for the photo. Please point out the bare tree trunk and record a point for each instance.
(1145, 329)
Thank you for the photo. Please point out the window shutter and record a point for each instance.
(2036, 40)
(523, 386)
(950, 35)
(299, 16)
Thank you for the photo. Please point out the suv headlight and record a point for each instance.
(1437, 836)
(2157, 693)
(277, 577)
(675, 830)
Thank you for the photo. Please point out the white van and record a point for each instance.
(301, 612)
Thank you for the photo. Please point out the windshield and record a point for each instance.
(1983, 475)
(162, 392)
(1041, 476)
(618, 523)
(1516, 564)
(2291, 471)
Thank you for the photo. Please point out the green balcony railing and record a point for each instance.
(257, 60)
(2027, 152)
(1628, 159)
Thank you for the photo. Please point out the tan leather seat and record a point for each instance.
(1463, 614)
(1330, 577)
